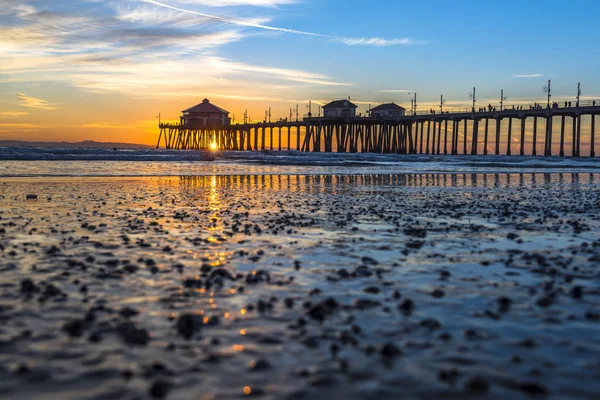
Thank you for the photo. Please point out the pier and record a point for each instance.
(469, 132)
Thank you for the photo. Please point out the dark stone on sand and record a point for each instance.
(131, 334)
(188, 324)
(128, 312)
(592, 316)
(437, 293)
(74, 328)
(342, 273)
(321, 310)
(289, 302)
(407, 306)
(504, 304)
(159, 389)
(415, 232)
(372, 290)
(369, 261)
(311, 342)
(533, 388)
(52, 291)
(477, 384)
(390, 350)
(545, 301)
(363, 304)
(220, 273)
(512, 236)
(431, 324)
(257, 277)
(577, 292)
(27, 286)
(414, 244)
(193, 283)
(527, 343)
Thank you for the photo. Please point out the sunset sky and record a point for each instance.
(102, 70)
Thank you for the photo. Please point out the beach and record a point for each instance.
(300, 286)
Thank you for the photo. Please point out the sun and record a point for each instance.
(213, 146)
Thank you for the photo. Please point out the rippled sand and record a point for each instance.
(368, 286)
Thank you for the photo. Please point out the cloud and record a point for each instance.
(280, 73)
(394, 91)
(32, 102)
(12, 114)
(228, 3)
(527, 76)
(377, 42)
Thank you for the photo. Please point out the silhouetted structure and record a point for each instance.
(340, 108)
(446, 133)
(205, 114)
(388, 110)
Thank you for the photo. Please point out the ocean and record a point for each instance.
(40, 162)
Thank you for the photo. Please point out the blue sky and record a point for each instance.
(102, 69)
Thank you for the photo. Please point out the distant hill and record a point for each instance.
(79, 145)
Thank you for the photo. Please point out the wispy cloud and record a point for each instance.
(527, 75)
(32, 102)
(228, 3)
(12, 114)
(393, 91)
(377, 42)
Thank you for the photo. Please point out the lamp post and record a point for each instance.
(548, 90)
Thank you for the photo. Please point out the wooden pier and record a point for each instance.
(485, 132)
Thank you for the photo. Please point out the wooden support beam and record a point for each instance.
(159, 137)
(534, 151)
(465, 138)
(279, 141)
(454, 137)
(421, 138)
(578, 135)
(562, 136)
(445, 137)
(509, 136)
(428, 136)
(439, 137)
(485, 137)
(498, 126)
(593, 137)
(574, 141)
(413, 141)
(548, 145)
(523, 123)
(475, 137)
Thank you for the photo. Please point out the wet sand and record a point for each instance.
(301, 287)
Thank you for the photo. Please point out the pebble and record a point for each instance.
(477, 384)
(188, 324)
(131, 334)
(159, 389)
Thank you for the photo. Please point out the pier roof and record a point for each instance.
(206, 107)
(340, 104)
(388, 106)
